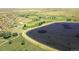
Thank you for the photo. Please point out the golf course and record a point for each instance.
(40, 29)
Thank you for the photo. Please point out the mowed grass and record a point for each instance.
(16, 45)
(2, 40)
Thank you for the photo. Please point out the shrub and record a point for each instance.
(26, 16)
(54, 17)
(22, 15)
(68, 19)
(10, 42)
(22, 43)
(6, 35)
(41, 23)
(24, 27)
(35, 19)
(14, 34)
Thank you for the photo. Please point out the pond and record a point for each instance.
(63, 36)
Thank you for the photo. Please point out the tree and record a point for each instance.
(10, 42)
(74, 20)
(25, 26)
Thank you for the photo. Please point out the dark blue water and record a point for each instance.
(63, 36)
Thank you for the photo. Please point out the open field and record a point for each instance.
(15, 22)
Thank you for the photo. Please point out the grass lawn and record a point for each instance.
(16, 45)
(2, 40)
